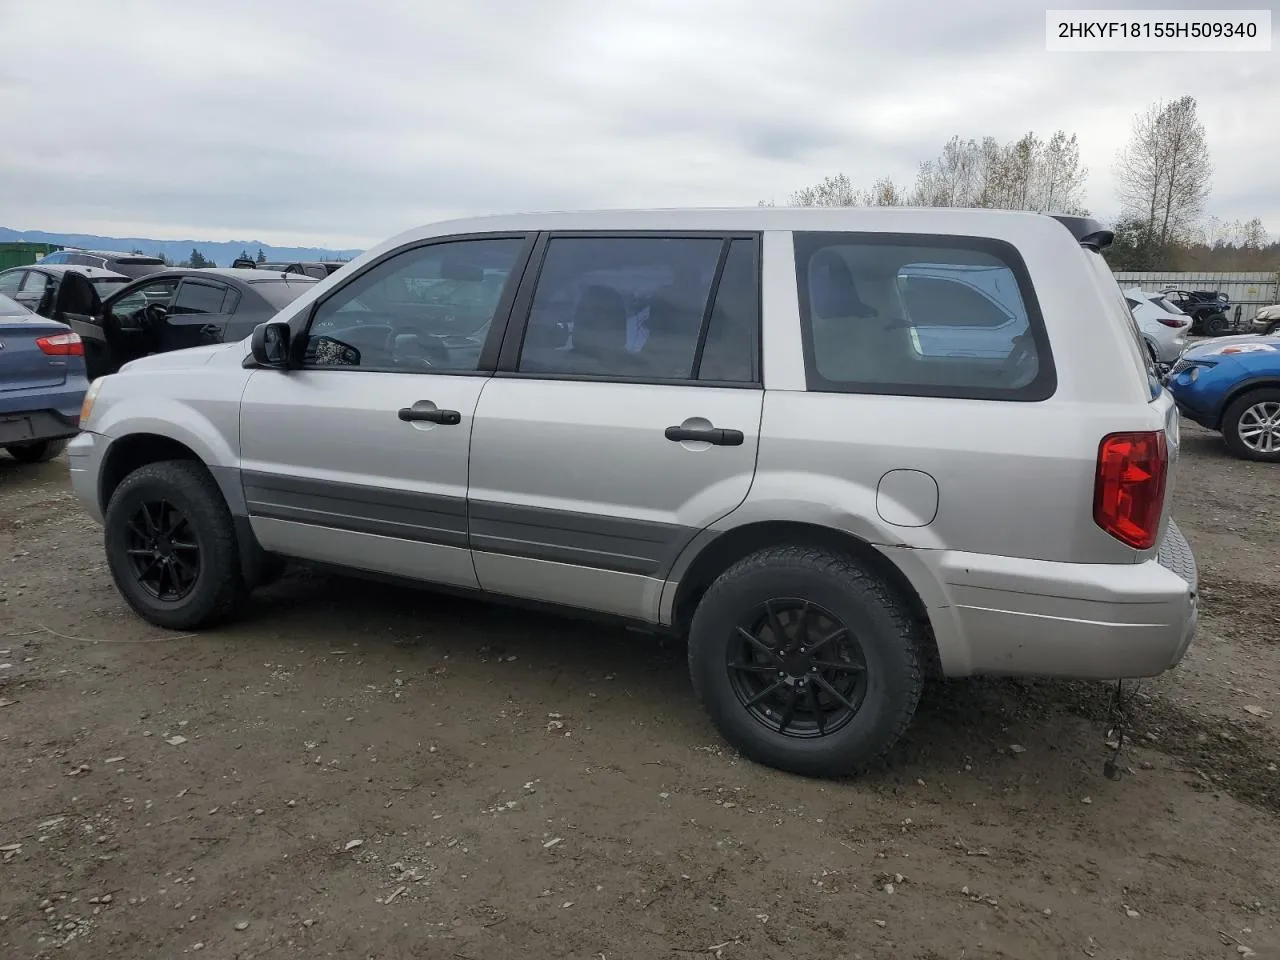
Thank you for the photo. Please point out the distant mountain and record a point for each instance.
(176, 250)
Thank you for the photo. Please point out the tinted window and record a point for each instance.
(1132, 303)
(58, 256)
(730, 352)
(281, 293)
(11, 308)
(919, 315)
(628, 308)
(424, 310)
(10, 281)
(199, 298)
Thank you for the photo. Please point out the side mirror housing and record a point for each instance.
(270, 345)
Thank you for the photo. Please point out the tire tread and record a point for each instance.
(838, 566)
(224, 591)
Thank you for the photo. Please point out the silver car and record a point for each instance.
(837, 449)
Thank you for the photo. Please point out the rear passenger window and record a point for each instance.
(920, 315)
(641, 309)
(199, 298)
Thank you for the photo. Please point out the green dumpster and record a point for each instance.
(23, 252)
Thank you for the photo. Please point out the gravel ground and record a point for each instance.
(360, 771)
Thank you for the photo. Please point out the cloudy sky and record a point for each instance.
(340, 123)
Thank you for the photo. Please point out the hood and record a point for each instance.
(1209, 347)
(1269, 313)
(178, 359)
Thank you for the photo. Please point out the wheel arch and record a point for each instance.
(714, 552)
(1239, 390)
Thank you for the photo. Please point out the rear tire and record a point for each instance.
(162, 491)
(41, 451)
(1251, 412)
(774, 588)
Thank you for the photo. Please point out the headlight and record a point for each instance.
(90, 395)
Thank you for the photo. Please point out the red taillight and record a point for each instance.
(62, 345)
(1128, 493)
(1172, 322)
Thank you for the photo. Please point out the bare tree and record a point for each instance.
(1165, 171)
(836, 191)
(1026, 174)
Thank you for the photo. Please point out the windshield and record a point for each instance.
(281, 293)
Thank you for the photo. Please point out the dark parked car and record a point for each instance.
(181, 307)
(307, 268)
(1208, 310)
(42, 383)
(128, 264)
(54, 290)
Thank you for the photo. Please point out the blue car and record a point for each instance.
(42, 383)
(1232, 385)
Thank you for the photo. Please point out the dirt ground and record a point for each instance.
(358, 771)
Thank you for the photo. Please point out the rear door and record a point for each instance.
(623, 419)
(198, 316)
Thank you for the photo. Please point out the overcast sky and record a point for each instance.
(341, 123)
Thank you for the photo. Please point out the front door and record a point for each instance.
(623, 421)
(131, 321)
(359, 456)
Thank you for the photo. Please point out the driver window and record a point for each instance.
(129, 308)
(426, 310)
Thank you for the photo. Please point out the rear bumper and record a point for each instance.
(1084, 621)
(85, 454)
(45, 415)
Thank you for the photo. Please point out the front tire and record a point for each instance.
(41, 451)
(1251, 426)
(171, 546)
(1215, 325)
(805, 661)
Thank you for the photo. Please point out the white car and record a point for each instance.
(1164, 327)
(1267, 320)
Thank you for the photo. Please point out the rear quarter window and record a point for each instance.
(280, 293)
(920, 315)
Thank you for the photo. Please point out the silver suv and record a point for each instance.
(836, 448)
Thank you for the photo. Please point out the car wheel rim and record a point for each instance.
(163, 551)
(1259, 427)
(797, 668)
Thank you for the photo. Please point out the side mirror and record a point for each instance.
(270, 345)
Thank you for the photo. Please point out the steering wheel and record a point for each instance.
(154, 314)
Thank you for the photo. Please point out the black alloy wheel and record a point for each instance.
(797, 668)
(163, 551)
